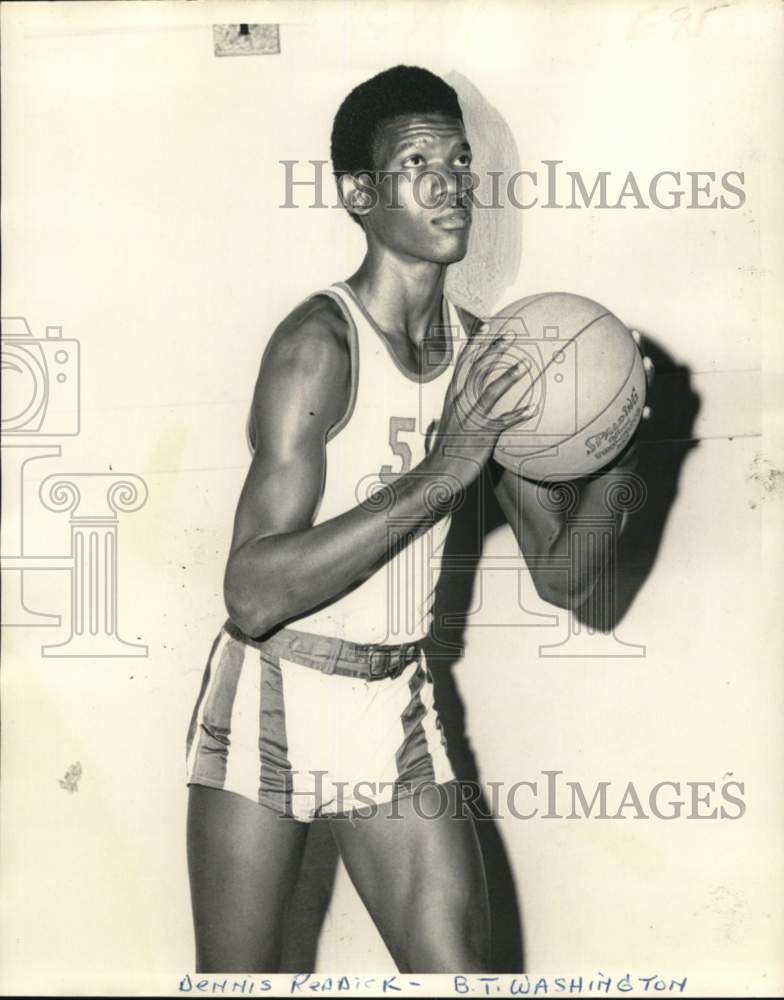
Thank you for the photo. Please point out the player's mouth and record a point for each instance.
(456, 218)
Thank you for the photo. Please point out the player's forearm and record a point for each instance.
(576, 541)
(273, 579)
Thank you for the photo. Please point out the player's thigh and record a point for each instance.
(418, 868)
(243, 861)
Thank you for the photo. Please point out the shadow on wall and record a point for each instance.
(664, 441)
(495, 244)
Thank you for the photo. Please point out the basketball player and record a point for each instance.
(317, 700)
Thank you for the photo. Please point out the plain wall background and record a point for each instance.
(140, 213)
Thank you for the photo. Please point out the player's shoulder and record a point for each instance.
(307, 359)
(312, 337)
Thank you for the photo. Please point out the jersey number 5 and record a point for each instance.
(397, 426)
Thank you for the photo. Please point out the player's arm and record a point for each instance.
(542, 534)
(281, 565)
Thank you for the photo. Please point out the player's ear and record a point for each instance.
(357, 193)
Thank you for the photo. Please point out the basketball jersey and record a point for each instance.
(386, 431)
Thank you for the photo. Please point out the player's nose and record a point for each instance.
(448, 188)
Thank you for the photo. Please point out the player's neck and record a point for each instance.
(403, 297)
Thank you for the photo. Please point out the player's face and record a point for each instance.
(423, 207)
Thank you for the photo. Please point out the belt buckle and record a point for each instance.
(377, 673)
(406, 655)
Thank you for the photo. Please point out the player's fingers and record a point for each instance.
(494, 390)
(646, 361)
(519, 415)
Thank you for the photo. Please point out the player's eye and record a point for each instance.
(464, 160)
(414, 160)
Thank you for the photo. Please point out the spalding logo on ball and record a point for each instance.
(582, 373)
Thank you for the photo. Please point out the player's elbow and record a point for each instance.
(555, 594)
(247, 601)
(563, 592)
(243, 613)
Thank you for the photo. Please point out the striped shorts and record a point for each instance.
(309, 742)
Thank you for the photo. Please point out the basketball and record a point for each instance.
(582, 373)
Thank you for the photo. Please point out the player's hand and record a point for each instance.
(650, 371)
(469, 427)
(629, 458)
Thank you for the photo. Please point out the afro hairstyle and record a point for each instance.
(401, 90)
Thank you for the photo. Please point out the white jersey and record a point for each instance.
(387, 429)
